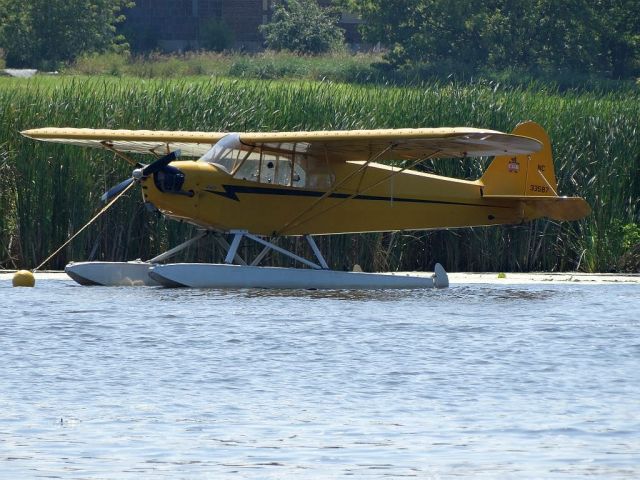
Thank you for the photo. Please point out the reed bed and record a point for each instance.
(48, 192)
(269, 65)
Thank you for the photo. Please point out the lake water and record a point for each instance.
(478, 381)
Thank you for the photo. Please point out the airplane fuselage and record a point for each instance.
(357, 199)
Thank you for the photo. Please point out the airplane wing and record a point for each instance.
(404, 143)
(343, 145)
(192, 144)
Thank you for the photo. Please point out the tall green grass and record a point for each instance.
(50, 191)
(358, 68)
(269, 65)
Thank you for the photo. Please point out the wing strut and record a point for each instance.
(126, 158)
(409, 166)
(332, 190)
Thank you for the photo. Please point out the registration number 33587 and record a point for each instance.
(538, 188)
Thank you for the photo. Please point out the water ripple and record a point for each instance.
(539, 381)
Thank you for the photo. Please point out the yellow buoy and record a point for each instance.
(24, 278)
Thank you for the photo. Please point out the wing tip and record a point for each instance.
(38, 133)
(28, 133)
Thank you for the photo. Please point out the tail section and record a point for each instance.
(530, 180)
(523, 175)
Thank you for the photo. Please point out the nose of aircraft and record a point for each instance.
(169, 179)
(140, 174)
(182, 178)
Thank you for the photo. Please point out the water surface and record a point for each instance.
(479, 381)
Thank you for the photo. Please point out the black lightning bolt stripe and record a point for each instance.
(231, 192)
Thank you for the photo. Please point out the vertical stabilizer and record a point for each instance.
(530, 175)
(529, 181)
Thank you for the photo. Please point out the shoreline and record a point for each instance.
(455, 278)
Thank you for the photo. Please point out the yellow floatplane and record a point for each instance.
(260, 186)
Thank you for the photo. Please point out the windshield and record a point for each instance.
(225, 153)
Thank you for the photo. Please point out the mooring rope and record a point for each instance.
(104, 209)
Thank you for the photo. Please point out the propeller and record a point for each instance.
(114, 191)
(139, 174)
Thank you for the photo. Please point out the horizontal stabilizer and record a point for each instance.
(557, 208)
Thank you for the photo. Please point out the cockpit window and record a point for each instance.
(252, 163)
(225, 153)
(265, 167)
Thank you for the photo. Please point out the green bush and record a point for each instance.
(339, 67)
(101, 64)
(270, 66)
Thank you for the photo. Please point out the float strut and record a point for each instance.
(233, 249)
(282, 251)
(179, 248)
(316, 250)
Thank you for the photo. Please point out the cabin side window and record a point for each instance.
(275, 166)
(266, 167)
(318, 172)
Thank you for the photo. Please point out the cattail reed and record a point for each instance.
(49, 191)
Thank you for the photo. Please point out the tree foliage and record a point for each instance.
(45, 33)
(302, 26)
(590, 36)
